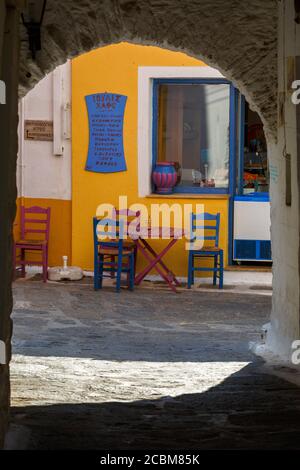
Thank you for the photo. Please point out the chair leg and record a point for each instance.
(100, 272)
(190, 270)
(96, 269)
(129, 272)
(221, 270)
(113, 273)
(135, 253)
(215, 269)
(47, 262)
(132, 272)
(119, 273)
(44, 264)
(193, 269)
(23, 273)
(14, 260)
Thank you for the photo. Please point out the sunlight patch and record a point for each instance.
(48, 380)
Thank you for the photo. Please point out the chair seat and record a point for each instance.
(206, 249)
(113, 251)
(31, 242)
(128, 244)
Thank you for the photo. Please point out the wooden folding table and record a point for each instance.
(154, 258)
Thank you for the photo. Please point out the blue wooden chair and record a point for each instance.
(207, 226)
(111, 254)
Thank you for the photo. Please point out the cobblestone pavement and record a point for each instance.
(142, 370)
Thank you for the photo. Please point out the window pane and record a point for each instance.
(193, 130)
(256, 174)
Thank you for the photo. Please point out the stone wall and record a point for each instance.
(238, 38)
(285, 323)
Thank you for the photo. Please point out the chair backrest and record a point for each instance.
(132, 220)
(208, 225)
(35, 220)
(108, 233)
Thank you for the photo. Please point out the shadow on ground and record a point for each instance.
(145, 370)
(246, 411)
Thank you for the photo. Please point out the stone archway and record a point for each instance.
(238, 38)
(242, 45)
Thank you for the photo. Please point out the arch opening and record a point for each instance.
(244, 53)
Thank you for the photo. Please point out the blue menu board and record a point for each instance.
(106, 119)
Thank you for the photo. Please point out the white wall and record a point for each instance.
(40, 172)
(285, 220)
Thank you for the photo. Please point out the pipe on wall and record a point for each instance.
(58, 148)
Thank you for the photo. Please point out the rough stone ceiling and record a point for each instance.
(237, 37)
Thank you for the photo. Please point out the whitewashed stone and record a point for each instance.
(238, 38)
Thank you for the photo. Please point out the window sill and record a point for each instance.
(188, 196)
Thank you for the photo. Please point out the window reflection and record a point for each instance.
(193, 131)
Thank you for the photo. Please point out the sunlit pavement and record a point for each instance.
(148, 369)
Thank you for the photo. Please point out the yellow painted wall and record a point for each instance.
(114, 69)
(60, 226)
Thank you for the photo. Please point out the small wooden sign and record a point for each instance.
(38, 130)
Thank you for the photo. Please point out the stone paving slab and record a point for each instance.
(142, 370)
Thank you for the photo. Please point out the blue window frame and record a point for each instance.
(242, 145)
(190, 189)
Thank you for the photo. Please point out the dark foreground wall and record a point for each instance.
(9, 59)
(239, 38)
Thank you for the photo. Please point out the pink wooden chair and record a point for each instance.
(34, 220)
